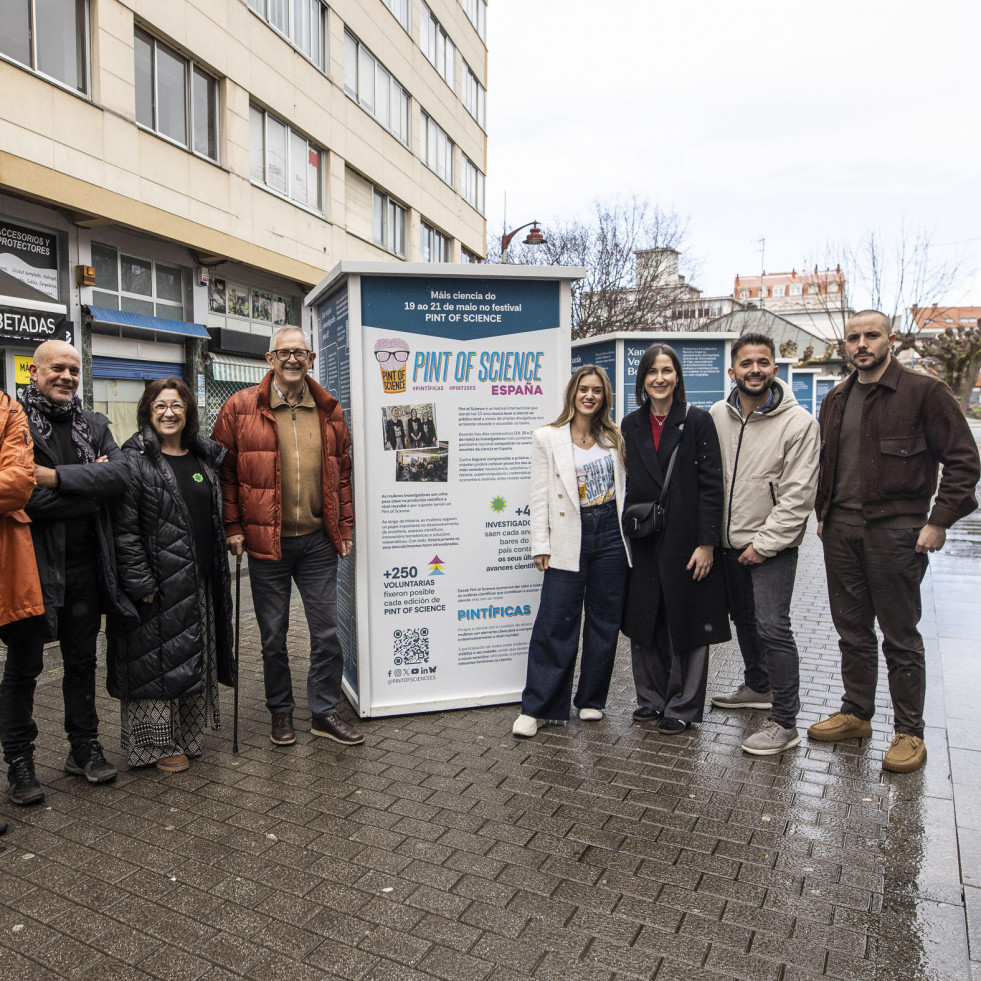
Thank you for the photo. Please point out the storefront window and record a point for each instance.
(265, 308)
(137, 285)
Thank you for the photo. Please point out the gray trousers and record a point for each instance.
(670, 682)
(311, 562)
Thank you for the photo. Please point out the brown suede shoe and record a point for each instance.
(174, 764)
(283, 733)
(334, 727)
(841, 725)
(906, 754)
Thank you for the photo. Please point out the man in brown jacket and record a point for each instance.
(286, 487)
(884, 432)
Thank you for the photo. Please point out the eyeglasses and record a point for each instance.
(285, 353)
(159, 408)
(400, 356)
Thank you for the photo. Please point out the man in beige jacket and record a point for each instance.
(770, 451)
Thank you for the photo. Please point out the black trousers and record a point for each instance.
(875, 574)
(79, 620)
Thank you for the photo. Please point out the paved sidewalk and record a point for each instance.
(445, 848)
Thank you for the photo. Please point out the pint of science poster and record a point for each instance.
(450, 373)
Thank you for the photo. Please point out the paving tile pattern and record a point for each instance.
(445, 848)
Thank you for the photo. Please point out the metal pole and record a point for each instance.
(238, 629)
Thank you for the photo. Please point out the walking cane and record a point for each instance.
(238, 628)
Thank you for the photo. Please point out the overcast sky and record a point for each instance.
(802, 123)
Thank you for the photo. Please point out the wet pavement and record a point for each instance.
(445, 848)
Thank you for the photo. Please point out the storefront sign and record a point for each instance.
(33, 326)
(30, 256)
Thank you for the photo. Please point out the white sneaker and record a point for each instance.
(590, 715)
(525, 726)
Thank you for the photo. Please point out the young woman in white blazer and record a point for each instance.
(577, 492)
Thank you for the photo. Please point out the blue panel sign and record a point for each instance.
(334, 348)
(802, 386)
(703, 364)
(824, 385)
(461, 309)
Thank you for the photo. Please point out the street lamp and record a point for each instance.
(534, 238)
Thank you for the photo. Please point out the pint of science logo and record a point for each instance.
(392, 353)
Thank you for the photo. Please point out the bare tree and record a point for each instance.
(629, 249)
(899, 277)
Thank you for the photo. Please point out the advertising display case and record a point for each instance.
(443, 371)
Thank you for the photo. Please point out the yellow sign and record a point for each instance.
(21, 375)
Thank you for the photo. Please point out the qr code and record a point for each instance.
(411, 646)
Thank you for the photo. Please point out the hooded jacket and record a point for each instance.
(770, 465)
(20, 588)
(161, 656)
(252, 490)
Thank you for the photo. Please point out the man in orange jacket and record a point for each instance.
(20, 587)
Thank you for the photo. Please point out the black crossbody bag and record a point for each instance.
(647, 519)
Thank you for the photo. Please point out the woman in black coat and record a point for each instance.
(171, 560)
(676, 602)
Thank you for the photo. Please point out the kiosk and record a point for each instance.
(443, 371)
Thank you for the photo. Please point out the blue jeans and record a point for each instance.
(601, 581)
(759, 598)
(311, 562)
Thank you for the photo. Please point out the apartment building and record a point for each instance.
(174, 176)
(816, 301)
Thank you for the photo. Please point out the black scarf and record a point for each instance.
(41, 410)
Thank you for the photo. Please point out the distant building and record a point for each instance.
(792, 341)
(175, 176)
(814, 300)
(936, 318)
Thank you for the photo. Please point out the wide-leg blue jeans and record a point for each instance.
(600, 585)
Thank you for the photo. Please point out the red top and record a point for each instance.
(657, 427)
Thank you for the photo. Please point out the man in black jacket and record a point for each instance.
(77, 467)
(884, 432)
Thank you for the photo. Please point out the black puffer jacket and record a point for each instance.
(161, 656)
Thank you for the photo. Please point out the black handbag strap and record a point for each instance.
(674, 453)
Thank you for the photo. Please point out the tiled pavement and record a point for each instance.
(445, 848)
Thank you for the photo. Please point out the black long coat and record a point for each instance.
(161, 657)
(695, 611)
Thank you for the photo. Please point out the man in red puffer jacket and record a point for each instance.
(286, 487)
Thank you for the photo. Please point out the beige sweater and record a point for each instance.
(301, 472)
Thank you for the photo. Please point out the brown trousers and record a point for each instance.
(874, 573)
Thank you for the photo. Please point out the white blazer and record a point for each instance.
(556, 527)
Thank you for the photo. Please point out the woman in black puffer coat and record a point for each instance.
(172, 562)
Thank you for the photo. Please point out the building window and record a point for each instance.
(467, 256)
(49, 37)
(285, 162)
(832, 287)
(388, 223)
(744, 294)
(437, 149)
(374, 89)
(476, 10)
(400, 8)
(437, 46)
(434, 246)
(137, 285)
(473, 185)
(175, 98)
(813, 288)
(302, 22)
(779, 290)
(474, 97)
